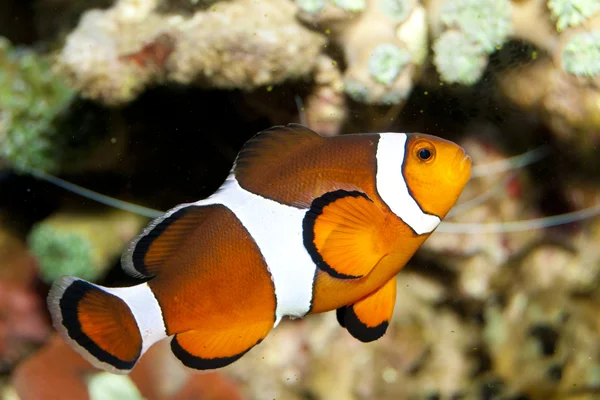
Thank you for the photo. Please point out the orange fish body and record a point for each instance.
(303, 224)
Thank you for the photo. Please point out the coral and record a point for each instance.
(311, 6)
(486, 23)
(107, 56)
(281, 48)
(466, 32)
(469, 30)
(158, 376)
(33, 102)
(399, 10)
(581, 54)
(326, 104)
(570, 13)
(436, 339)
(351, 5)
(536, 353)
(532, 23)
(106, 386)
(385, 45)
(561, 80)
(458, 59)
(570, 108)
(43, 125)
(324, 13)
(387, 64)
(81, 244)
(114, 54)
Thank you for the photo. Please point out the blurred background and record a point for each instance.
(148, 101)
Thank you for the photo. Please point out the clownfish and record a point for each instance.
(303, 224)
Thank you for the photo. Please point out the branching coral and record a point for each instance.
(84, 245)
(469, 30)
(563, 85)
(114, 54)
(570, 13)
(457, 59)
(384, 62)
(384, 43)
(485, 23)
(561, 81)
(479, 28)
(580, 55)
(325, 12)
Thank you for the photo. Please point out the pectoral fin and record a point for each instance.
(368, 319)
(342, 233)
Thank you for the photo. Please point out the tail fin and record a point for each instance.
(109, 327)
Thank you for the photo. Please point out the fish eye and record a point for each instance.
(424, 154)
(424, 151)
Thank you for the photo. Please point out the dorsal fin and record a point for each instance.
(270, 148)
(162, 238)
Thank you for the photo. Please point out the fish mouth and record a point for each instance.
(461, 166)
(465, 163)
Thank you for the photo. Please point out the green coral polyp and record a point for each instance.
(61, 253)
(581, 54)
(386, 62)
(487, 23)
(458, 60)
(107, 386)
(351, 5)
(393, 97)
(356, 90)
(399, 10)
(311, 6)
(570, 13)
(32, 100)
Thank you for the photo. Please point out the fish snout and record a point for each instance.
(461, 166)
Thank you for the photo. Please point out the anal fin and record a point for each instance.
(368, 319)
(209, 349)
